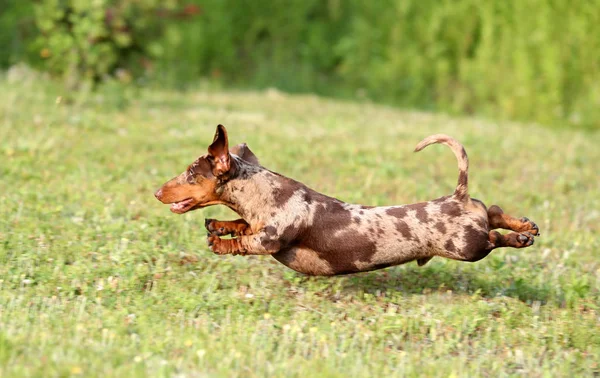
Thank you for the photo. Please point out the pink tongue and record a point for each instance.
(180, 205)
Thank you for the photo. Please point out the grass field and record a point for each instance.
(97, 278)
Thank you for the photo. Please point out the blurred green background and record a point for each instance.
(533, 60)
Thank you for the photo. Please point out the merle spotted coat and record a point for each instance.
(319, 235)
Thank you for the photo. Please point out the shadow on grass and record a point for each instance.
(444, 277)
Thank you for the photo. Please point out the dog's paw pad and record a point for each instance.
(525, 239)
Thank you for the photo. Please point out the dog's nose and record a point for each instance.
(158, 194)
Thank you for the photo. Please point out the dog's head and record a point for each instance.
(201, 184)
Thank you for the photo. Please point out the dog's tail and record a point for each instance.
(461, 192)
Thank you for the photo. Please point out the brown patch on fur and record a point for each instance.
(441, 227)
(451, 208)
(283, 194)
(477, 244)
(289, 234)
(421, 213)
(270, 244)
(398, 212)
(333, 241)
(403, 228)
(304, 260)
(449, 245)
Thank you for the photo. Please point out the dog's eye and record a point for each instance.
(191, 179)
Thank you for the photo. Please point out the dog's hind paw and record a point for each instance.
(423, 261)
(533, 228)
(525, 239)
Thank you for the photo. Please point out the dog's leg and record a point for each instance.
(480, 243)
(498, 219)
(262, 243)
(424, 260)
(512, 239)
(237, 227)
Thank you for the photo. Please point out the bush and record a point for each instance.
(86, 40)
(16, 31)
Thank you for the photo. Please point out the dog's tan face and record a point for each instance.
(198, 186)
(193, 189)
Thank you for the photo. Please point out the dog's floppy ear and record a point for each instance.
(242, 150)
(219, 152)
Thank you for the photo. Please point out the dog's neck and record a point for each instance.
(247, 192)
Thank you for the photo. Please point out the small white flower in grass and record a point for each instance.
(137, 359)
(249, 295)
(200, 353)
(546, 253)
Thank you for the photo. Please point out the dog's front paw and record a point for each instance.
(224, 246)
(533, 228)
(212, 227)
(214, 244)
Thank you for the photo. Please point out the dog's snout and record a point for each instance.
(158, 194)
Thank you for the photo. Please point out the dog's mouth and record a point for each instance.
(183, 206)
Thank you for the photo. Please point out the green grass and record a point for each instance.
(97, 278)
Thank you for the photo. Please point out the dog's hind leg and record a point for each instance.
(512, 239)
(498, 219)
(424, 260)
